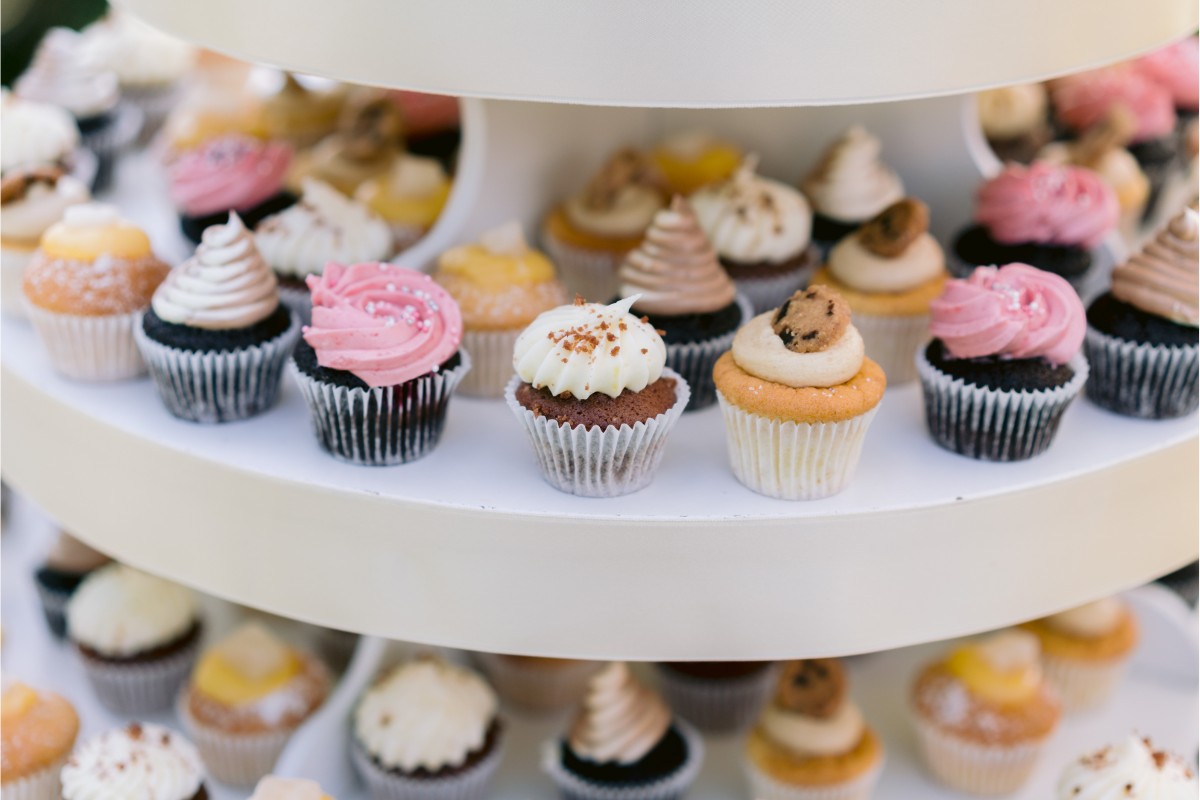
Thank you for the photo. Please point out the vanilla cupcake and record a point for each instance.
(409, 197)
(368, 141)
(1133, 770)
(691, 160)
(33, 199)
(37, 732)
(39, 135)
(299, 115)
(537, 685)
(849, 185)
(1015, 120)
(141, 760)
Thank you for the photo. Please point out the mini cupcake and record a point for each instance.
(717, 696)
(37, 733)
(137, 636)
(1004, 364)
(216, 336)
(1176, 68)
(983, 714)
(380, 361)
(590, 233)
(299, 115)
(1048, 216)
(849, 185)
(247, 696)
(595, 398)
(33, 199)
(1085, 650)
(1133, 770)
(212, 109)
(432, 124)
(67, 564)
(409, 197)
(811, 742)
(761, 230)
(798, 394)
(324, 226)
(427, 731)
(273, 788)
(691, 160)
(1015, 120)
(537, 685)
(229, 173)
(140, 760)
(368, 141)
(888, 272)
(1142, 334)
(623, 745)
(37, 135)
(85, 290)
(500, 285)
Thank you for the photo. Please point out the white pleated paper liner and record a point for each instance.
(237, 759)
(469, 784)
(537, 690)
(599, 462)
(45, 784)
(1083, 684)
(1148, 381)
(974, 768)
(141, 687)
(769, 292)
(491, 362)
(695, 360)
(382, 425)
(108, 140)
(218, 386)
(591, 273)
(892, 342)
(766, 787)
(669, 787)
(994, 424)
(298, 300)
(100, 348)
(718, 705)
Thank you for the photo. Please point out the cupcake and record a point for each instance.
(427, 731)
(299, 115)
(691, 160)
(811, 742)
(379, 362)
(798, 394)
(849, 185)
(983, 714)
(247, 696)
(324, 226)
(409, 197)
(623, 745)
(537, 685)
(217, 336)
(1004, 363)
(37, 732)
(888, 272)
(33, 199)
(500, 285)
(273, 788)
(59, 575)
(85, 290)
(368, 141)
(595, 398)
(39, 135)
(211, 109)
(1142, 334)
(229, 173)
(1133, 770)
(717, 696)
(432, 124)
(1085, 650)
(1176, 68)
(137, 636)
(1051, 217)
(590, 233)
(1015, 120)
(761, 230)
(140, 760)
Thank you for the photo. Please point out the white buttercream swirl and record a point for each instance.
(805, 736)
(67, 75)
(758, 350)
(751, 219)
(120, 612)
(864, 271)
(851, 183)
(1012, 111)
(426, 714)
(588, 349)
(43, 204)
(141, 56)
(621, 720)
(1132, 771)
(34, 134)
(1089, 621)
(141, 761)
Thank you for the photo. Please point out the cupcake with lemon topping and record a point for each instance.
(37, 732)
(409, 197)
(691, 160)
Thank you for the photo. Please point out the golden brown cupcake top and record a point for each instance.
(36, 730)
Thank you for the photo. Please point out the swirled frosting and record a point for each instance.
(588, 348)
(807, 736)
(383, 323)
(1132, 771)
(1012, 111)
(34, 134)
(120, 612)
(758, 350)
(620, 200)
(225, 284)
(1048, 204)
(427, 714)
(1108, 158)
(675, 269)
(275, 788)
(1083, 100)
(856, 262)
(1175, 67)
(232, 172)
(324, 226)
(141, 760)
(65, 74)
(140, 55)
(751, 219)
(620, 721)
(1014, 311)
(33, 200)
(1088, 621)
(1162, 278)
(851, 183)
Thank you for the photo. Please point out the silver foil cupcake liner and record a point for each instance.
(590, 273)
(718, 705)
(45, 784)
(108, 140)
(141, 687)
(1083, 685)
(236, 759)
(669, 787)
(383, 425)
(994, 424)
(1148, 381)
(469, 784)
(537, 690)
(765, 787)
(599, 462)
(695, 360)
(981, 769)
(491, 362)
(893, 342)
(98, 348)
(218, 386)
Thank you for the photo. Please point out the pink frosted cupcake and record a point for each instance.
(1176, 68)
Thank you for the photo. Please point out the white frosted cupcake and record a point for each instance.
(41, 135)
(1133, 770)
(141, 760)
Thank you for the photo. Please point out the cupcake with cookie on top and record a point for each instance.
(33, 198)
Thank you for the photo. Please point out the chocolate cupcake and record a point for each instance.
(140, 760)
(717, 696)
(1015, 120)
(67, 564)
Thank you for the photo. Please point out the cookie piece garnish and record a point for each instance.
(891, 231)
(814, 687)
(811, 320)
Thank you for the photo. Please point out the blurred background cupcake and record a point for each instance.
(42, 135)
(1015, 120)
(211, 108)
(409, 197)
(139, 760)
(368, 140)
(537, 685)
(37, 732)
(691, 160)
(1134, 768)
(275, 788)
(68, 562)
(717, 696)
(432, 124)
(299, 115)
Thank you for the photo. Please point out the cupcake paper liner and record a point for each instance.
(893, 342)
(994, 424)
(218, 386)
(13, 261)
(591, 273)
(769, 293)
(765, 787)
(141, 687)
(384, 425)
(718, 705)
(108, 140)
(537, 690)
(470, 784)
(45, 784)
(299, 301)
(695, 360)
(89, 348)
(672, 786)
(237, 759)
(54, 607)
(975, 768)
(1149, 381)
(491, 362)
(595, 462)
(1083, 685)
(793, 460)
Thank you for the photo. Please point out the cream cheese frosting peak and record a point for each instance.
(142, 760)
(621, 720)
(1133, 770)
(752, 219)
(851, 183)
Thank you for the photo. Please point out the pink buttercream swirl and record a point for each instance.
(229, 173)
(1047, 204)
(1175, 67)
(1084, 100)
(1014, 311)
(384, 323)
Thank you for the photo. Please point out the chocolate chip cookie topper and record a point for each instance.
(812, 320)
(814, 687)
(890, 232)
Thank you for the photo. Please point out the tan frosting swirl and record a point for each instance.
(757, 349)
(620, 200)
(1162, 278)
(1012, 111)
(851, 183)
(621, 720)
(675, 268)
(807, 736)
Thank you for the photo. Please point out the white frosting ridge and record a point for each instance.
(620, 721)
(65, 73)
(751, 219)
(42, 205)
(1132, 771)
(1012, 111)
(807, 736)
(120, 612)
(143, 761)
(1089, 621)
(758, 350)
(33, 133)
(864, 271)
(851, 183)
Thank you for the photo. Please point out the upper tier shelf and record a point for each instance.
(679, 53)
